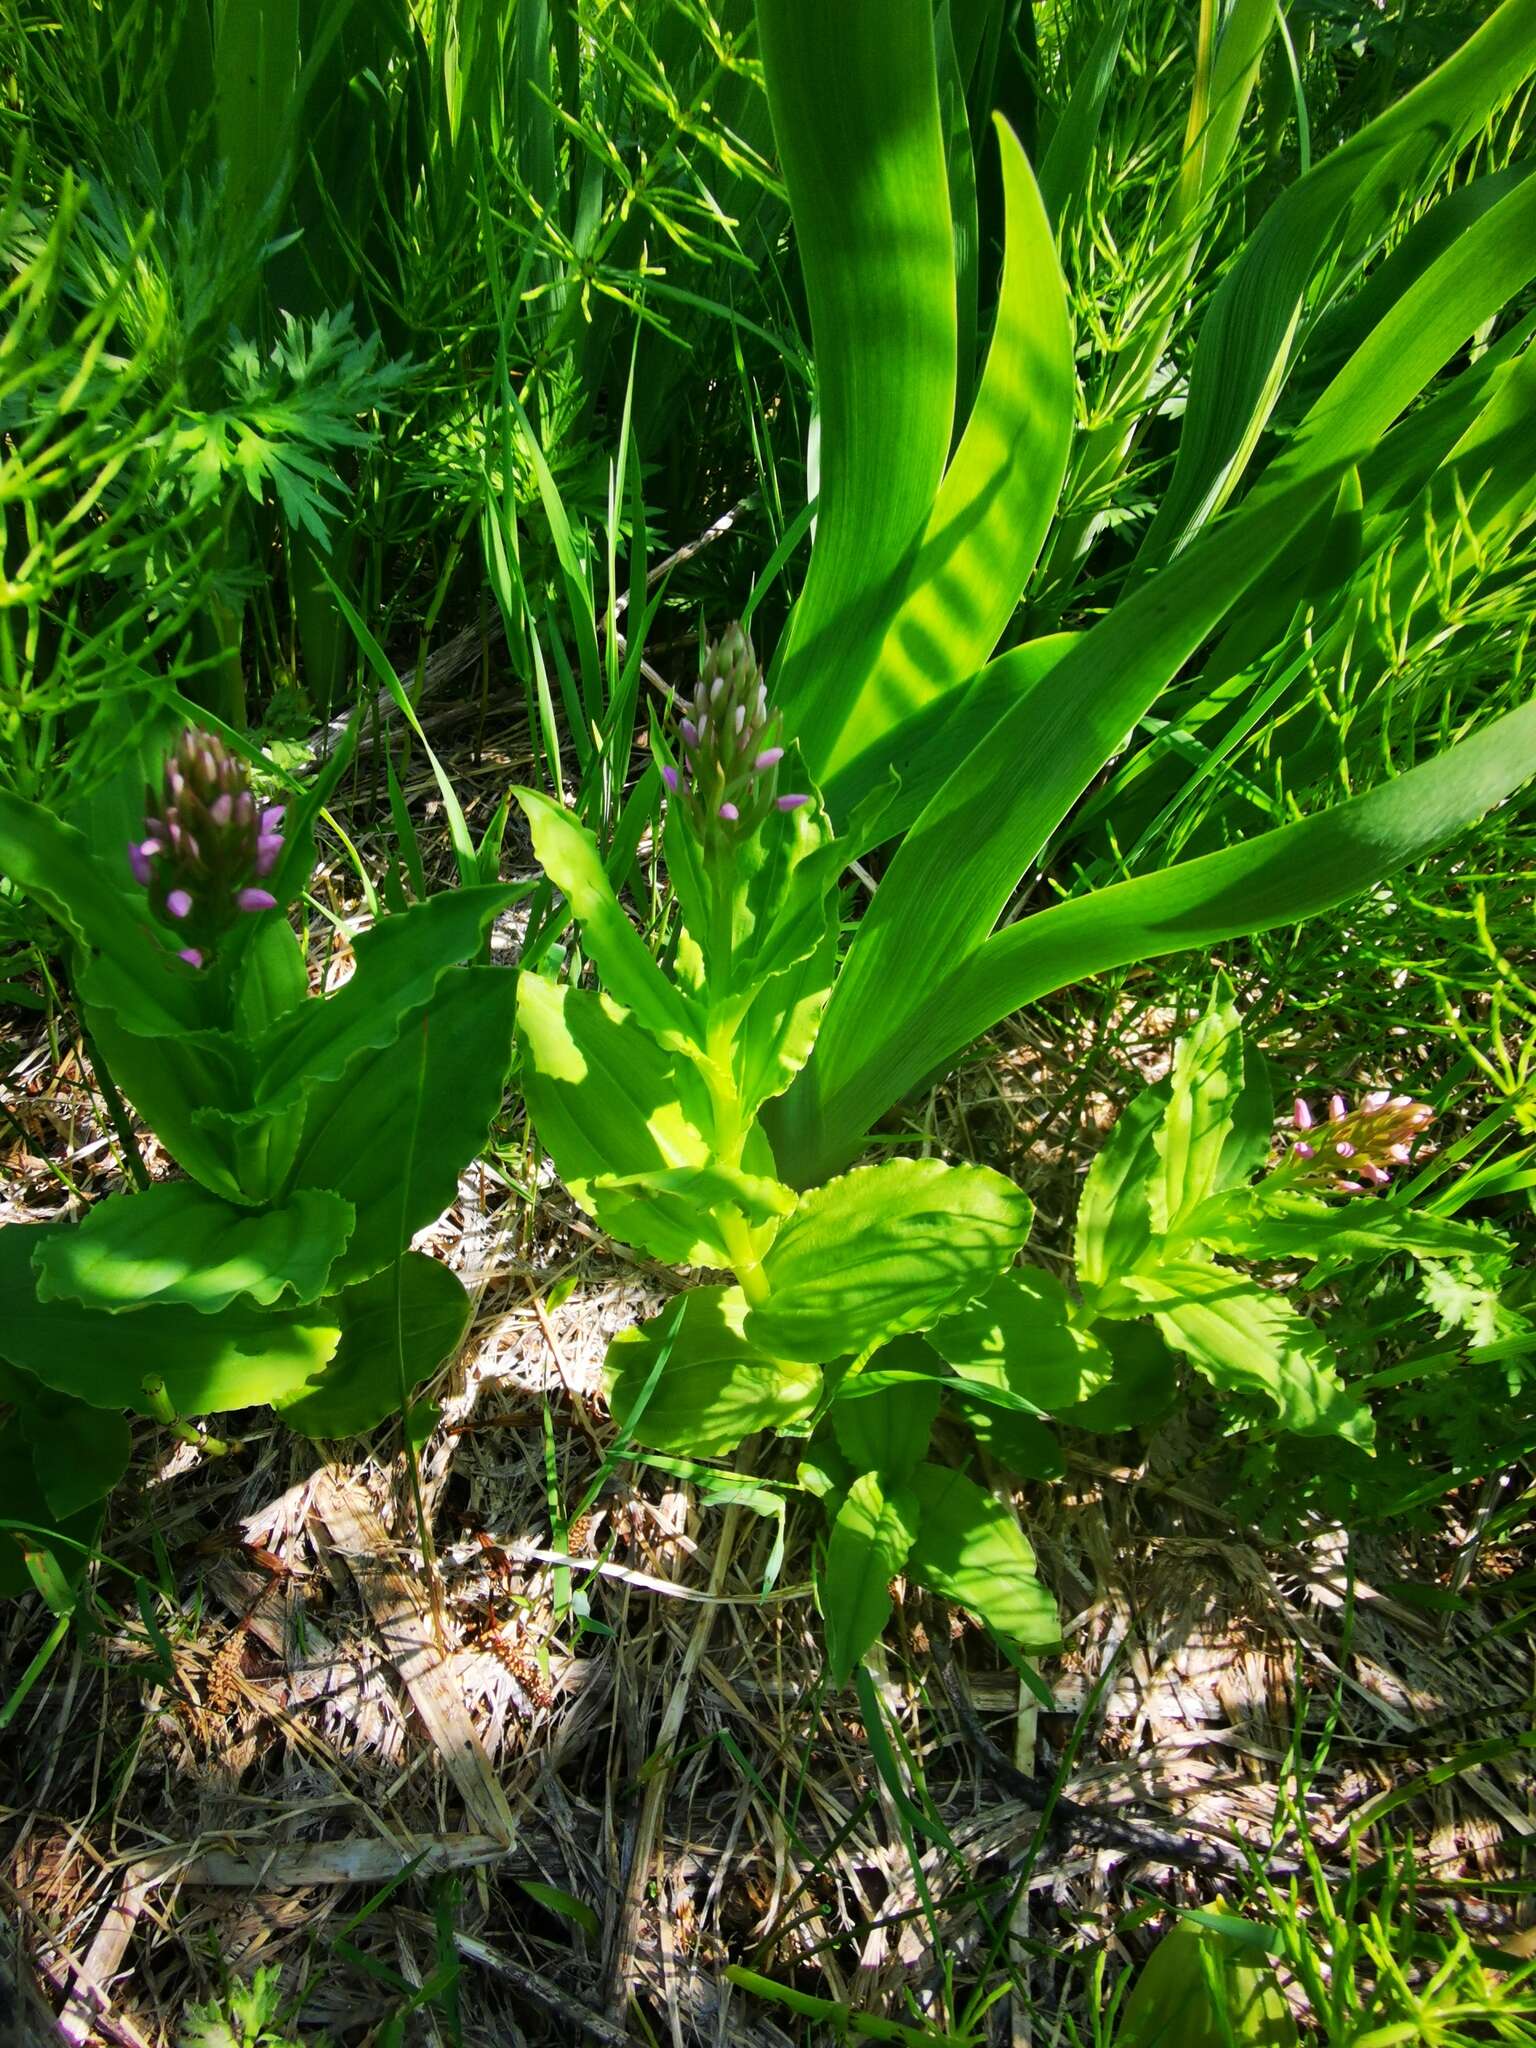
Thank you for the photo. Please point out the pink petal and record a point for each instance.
(191, 955)
(255, 899)
(179, 903)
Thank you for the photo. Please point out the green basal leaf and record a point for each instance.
(884, 1249)
(871, 1536)
(705, 1188)
(1019, 1335)
(1192, 1135)
(1252, 1342)
(715, 1389)
(777, 1034)
(168, 1079)
(887, 1431)
(238, 1358)
(175, 1245)
(396, 1330)
(569, 855)
(392, 1134)
(610, 1105)
(969, 1549)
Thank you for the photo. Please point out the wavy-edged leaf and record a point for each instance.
(871, 1536)
(887, 1431)
(235, 1359)
(393, 1133)
(715, 1387)
(884, 1249)
(989, 518)
(399, 965)
(853, 92)
(1274, 1223)
(1114, 1211)
(1246, 1340)
(969, 1549)
(1193, 1132)
(174, 1245)
(396, 1330)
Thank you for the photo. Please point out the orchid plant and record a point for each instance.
(877, 1314)
(317, 1131)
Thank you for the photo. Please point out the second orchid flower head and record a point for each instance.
(1351, 1151)
(730, 745)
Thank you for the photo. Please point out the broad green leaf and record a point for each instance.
(969, 1549)
(1192, 1135)
(775, 1038)
(1267, 1222)
(1019, 1334)
(1334, 215)
(78, 1453)
(715, 1387)
(393, 1133)
(853, 92)
(1114, 1211)
(1204, 1988)
(887, 1431)
(960, 863)
(399, 965)
(235, 1359)
(871, 1535)
(396, 1330)
(1144, 1387)
(609, 1105)
(1274, 878)
(175, 1245)
(704, 1188)
(569, 855)
(988, 520)
(881, 1250)
(1247, 1340)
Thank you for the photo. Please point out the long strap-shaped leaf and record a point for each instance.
(991, 513)
(1334, 214)
(1277, 878)
(853, 91)
(962, 860)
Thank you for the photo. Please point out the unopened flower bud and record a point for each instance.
(207, 844)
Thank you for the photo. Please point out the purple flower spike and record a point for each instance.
(1337, 1107)
(1301, 1116)
(222, 809)
(790, 803)
(179, 903)
(690, 732)
(268, 847)
(770, 757)
(730, 813)
(1376, 1136)
(252, 900)
(191, 955)
(273, 816)
(669, 776)
(138, 859)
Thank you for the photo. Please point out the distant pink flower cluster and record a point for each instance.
(207, 846)
(729, 744)
(1352, 1151)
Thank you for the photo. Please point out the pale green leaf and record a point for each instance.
(715, 1387)
(1019, 1335)
(969, 1549)
(871, 1535)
